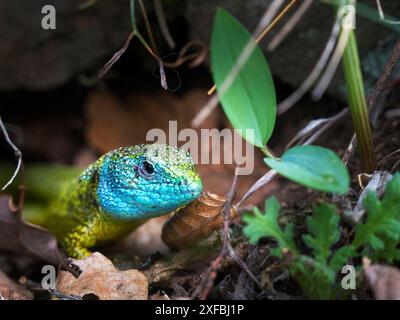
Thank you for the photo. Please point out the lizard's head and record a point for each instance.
(146, 181)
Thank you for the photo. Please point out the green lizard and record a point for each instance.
(113, 196)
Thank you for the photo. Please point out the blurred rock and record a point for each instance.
(10, 290)
(34, 58)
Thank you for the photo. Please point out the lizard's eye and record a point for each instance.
(147, 168)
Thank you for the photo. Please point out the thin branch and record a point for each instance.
(258, 185)
(281, 34)
(212, 274)
(115, 57)
(330, 70)
(17, 153)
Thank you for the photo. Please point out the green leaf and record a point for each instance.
(313, 166)
(323, 226)
(250, 101)
(266, 225)
(340, 258)
(383, 221)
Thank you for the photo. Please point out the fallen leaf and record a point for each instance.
(99, 277)
(10, 290)
(20, 237)
(198, 220)
(384, 281)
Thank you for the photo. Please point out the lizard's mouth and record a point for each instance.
(195, 188)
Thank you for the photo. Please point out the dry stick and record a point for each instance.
(374, 94)
(17, 154)
(243, 265)
(212, 274)
(285, 30)
(162, 22)
(286, 104)
(19, 169)
(115, 57)
(196, 57)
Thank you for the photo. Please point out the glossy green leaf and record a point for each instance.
(250, 101)
(315, 167)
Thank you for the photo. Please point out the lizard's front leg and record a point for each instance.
(77, 241)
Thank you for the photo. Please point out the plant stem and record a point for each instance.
(358, 104)
(268, 153)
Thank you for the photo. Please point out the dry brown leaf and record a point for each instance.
(384, 281)
(23, 238)
(99, 277)
(11, 290)
(196, 221)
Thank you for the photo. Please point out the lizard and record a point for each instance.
(112, 196)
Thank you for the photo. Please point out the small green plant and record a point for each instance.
(378, 237)
(247, 94)
(357, 101)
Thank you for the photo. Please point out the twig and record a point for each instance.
(286, 104)
(384, 79)
(184, 55)
(326, 126)
(148, 27)
(278, 38)
(115, 57)
(243, 265)
(163, 24)
(258, 185)
(387, 157)
(17, 153)
(382, 15)
(212, 274)
(317, 126)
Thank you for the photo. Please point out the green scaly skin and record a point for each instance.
(113, 196)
